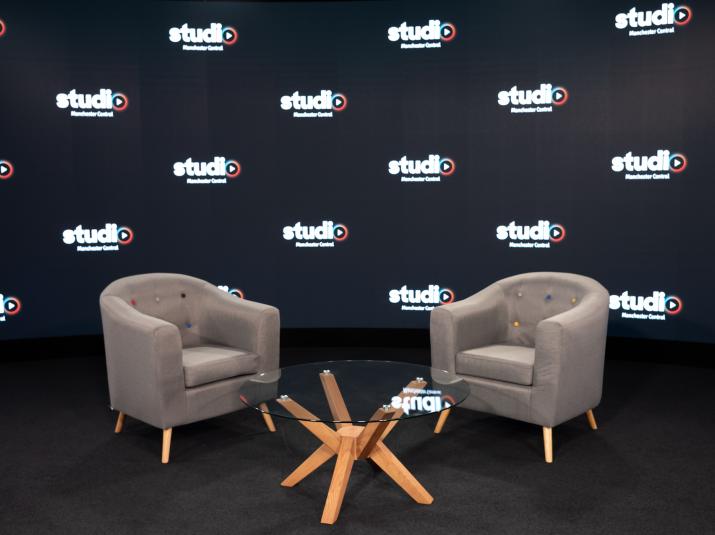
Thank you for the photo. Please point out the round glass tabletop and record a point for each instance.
(353, 391)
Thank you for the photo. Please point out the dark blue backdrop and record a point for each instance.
(626, 93)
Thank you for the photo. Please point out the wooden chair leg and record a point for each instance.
(442, 418)
(591, 419)
(166, 446)
(120, 423)
(267, 418)
(548, 445)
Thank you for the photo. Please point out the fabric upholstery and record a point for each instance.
(501, 362)
(562, 317)
(479, 320)
(206, 364)
(150, 320)
(499, 398)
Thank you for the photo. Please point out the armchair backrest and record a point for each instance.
(533, 297)
(171, 297)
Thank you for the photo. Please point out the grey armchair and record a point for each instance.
(178, 348)
(531, 347)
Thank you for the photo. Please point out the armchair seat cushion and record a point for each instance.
(209, 363)
(501, 362)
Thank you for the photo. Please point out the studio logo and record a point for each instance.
(657, 306)
(430, 170)
(542, 100)
(101, 104)
(422, 299)
(108, 238)
(421, 400)
(654, 167)
(539, 236)
(431, 35)
(320, 105)
(3, 27)
(211, 39)
(323, 235)
(6, 169)
(656, 22)
(11, 306)
(218, 171)
(233, 291)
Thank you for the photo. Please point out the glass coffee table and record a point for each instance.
(364, 400)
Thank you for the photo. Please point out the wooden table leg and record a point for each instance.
(335, 400)
(311, 422)
(310, 465)
(351, 442)
(373, 431)
(341, 474)
(391, 465)
(417, 384)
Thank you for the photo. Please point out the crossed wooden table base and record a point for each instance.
(350, 443)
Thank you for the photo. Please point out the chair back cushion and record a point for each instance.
(533, 297)
(168, 296)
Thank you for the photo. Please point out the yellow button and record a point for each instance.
(573, 300)
(516, 324)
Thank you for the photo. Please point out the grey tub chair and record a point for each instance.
(530, 346)
(178, 348)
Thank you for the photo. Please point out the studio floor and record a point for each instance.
(650, 467)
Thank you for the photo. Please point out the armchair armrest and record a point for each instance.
(569, 357)
(476, 321)
(144, 364)
(242, 324)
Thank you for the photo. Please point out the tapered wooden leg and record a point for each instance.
(372, 432)
(442, 418)
(120, 423)
(396, 418)
(310, 421)
(548, 445)
(591, 419)
(267, 418)
(351, 442)
(310, 465)
(341, 474)
(335, 399)
(166, 446)
(391, 465)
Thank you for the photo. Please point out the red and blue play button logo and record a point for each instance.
(6, 169)
(682, 15)
(11, 305)
(557, 233)
(673, 305)
(678, 162)
(340, 232)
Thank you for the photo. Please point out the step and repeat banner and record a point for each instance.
(357, 163)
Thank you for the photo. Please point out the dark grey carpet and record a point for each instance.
(650, 468)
